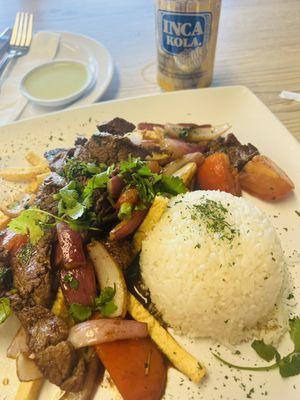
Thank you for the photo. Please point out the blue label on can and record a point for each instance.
(179, 32)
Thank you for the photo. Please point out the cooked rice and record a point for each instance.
(215, 279)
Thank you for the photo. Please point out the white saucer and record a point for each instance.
(85, 49)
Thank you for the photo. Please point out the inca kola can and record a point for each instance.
(186, 35)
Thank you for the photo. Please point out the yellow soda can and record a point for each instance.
(186, 36)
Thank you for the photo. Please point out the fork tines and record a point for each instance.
(22, 30)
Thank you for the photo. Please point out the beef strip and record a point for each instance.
(239, 154)
(54, 355)
(110, 149)
(43, 328)
(117, 126)
(44, 199)
(122, 251)
(105, 212)
(57, 157)
(6, 277)
(32, 273)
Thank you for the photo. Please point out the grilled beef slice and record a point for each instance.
(5, 272)
(117, 126)
(110, 149)
(54, 355)
(44, 199)
(32, 273)
(239, 154)
(122, 251)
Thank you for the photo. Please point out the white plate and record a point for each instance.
(89, 51)
(251, 121)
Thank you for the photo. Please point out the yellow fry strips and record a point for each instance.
(154, 214)
(4, 219)
(35, 160)
(180, 358)
(29, 390)
(22, 174)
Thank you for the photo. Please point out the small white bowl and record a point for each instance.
(59, 100)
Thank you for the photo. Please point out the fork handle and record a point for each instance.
(5, 60)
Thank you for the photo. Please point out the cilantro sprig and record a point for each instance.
(103, 303)
(32, 222)
(5, 309)
(69, 278)
(76, 199)
(74, 169)
(136, 173)
(288, 365)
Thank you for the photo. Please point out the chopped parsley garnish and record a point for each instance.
(297, 212)
(288, 365)
(5, 309)
(80, 312)
(213, 214)
(69, 278)
(104, 302)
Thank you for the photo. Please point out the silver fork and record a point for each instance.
(20, 39)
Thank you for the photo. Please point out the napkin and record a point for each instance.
(289, 95)
(43, 48)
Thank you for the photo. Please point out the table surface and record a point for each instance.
(258, 44)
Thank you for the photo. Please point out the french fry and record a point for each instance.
(32, 187)
(35, 160)
(4, 220)
(41, 177)
(179, 357)
(29, 390)
(22, 174)
(154, 214)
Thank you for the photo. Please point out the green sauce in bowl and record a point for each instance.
(56, 83)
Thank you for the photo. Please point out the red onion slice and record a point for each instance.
(94, 332)
(127, 227)
(71, 246)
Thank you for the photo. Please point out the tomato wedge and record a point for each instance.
(136, 366)
(262, 178)
(216, 173)
(12, 241)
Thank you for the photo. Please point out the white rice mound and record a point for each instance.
(208, 286)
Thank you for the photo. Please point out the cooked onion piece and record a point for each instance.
(98, 331)
(27, 369)
(18, 345)
(71, 246)
(174, 166)
(195, 133)
(109, 274)
(18, 205)
(187, 173)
